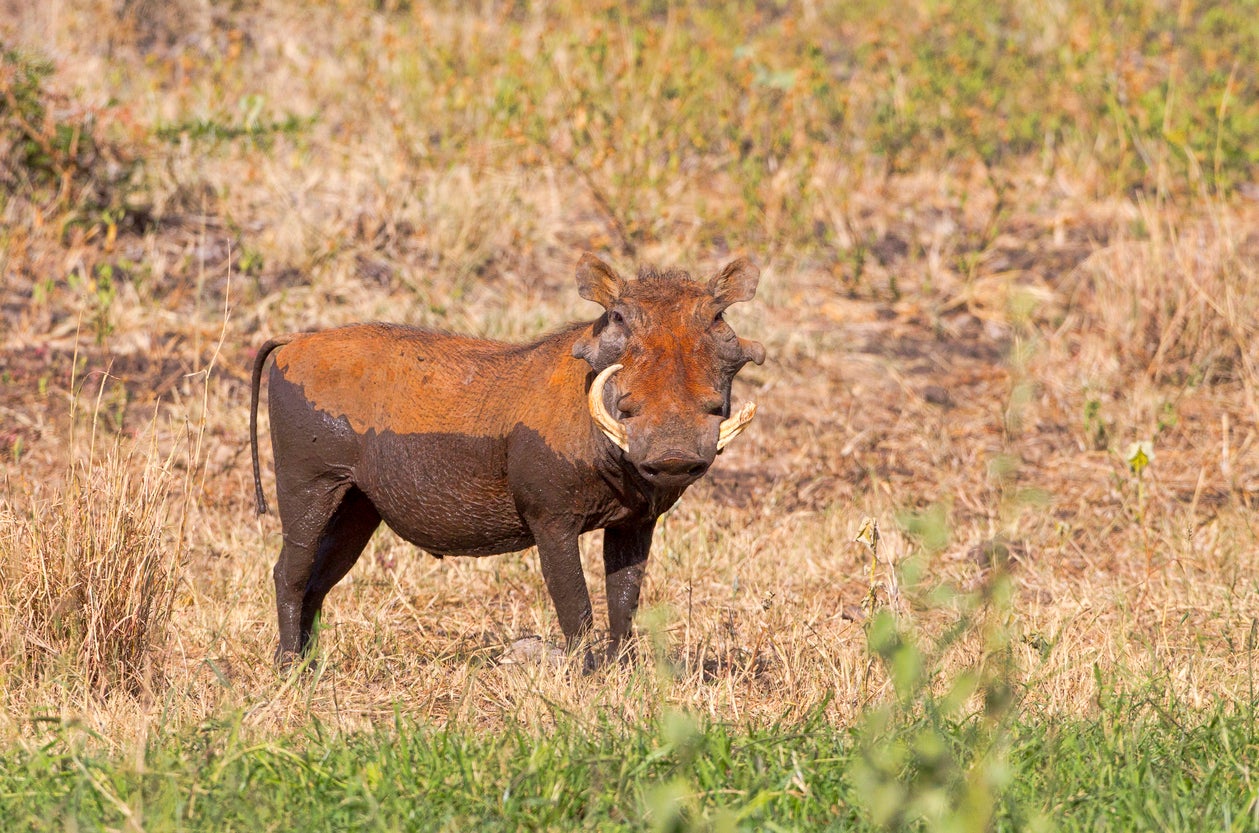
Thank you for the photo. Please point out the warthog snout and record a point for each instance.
(676, 466)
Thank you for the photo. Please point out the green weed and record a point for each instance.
(55, 153)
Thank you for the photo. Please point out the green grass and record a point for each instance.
(1136, 767)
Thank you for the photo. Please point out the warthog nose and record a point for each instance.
(676, 464)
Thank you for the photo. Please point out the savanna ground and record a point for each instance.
(1010, 297)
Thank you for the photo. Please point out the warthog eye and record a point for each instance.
(615, 317)
(721, 327)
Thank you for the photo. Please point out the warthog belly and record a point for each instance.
(445, 493)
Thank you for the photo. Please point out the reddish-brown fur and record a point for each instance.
(465, 446)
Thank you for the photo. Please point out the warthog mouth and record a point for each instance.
(615, 431)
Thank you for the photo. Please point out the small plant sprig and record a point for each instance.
(868, 534)
(1138, 457)
(883, 604)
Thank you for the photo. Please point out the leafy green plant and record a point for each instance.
(52, 152)
(248, 123)
(929, 526)
(936, 756)
(1096, 431)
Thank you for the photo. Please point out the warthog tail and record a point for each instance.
(259, 361)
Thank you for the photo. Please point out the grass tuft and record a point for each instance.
(91, 572)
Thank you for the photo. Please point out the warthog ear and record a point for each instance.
(597, 282)
(737, 282)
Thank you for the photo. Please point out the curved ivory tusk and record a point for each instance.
(733, 427)
(608, 424)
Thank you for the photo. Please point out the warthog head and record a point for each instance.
(665, 358)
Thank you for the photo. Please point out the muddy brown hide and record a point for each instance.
(465, 446)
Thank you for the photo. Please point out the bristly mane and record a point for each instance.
(654, 285)
(652, 274)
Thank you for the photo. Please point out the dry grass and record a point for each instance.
(90, 574)
(943, 346)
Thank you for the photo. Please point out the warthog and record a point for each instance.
(465, 446)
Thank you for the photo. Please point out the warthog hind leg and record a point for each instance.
(325, 532)
(342, 542)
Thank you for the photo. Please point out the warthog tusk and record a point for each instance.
(608, 424)
(733, 427)
(615, 431)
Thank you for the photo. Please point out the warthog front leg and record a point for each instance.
(625, 563)
(561, 568)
